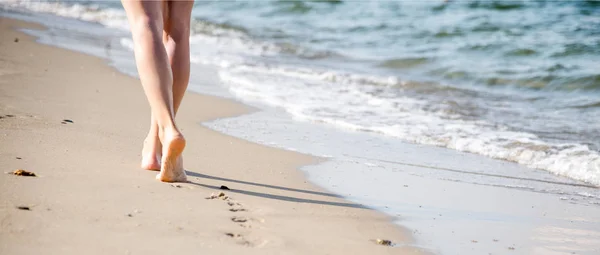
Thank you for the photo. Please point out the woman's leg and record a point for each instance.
(177, 43)
(152, 149)
(176, 20)
(146, 22)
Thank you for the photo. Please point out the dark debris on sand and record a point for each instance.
(224, 187)
(21, 172)
(24, 208)
(232, 235)
(384, 242)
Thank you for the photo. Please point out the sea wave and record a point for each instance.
(360, 106)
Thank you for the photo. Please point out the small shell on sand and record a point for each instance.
(21, 172)
(383, 242)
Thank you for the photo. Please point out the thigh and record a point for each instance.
(143, 13)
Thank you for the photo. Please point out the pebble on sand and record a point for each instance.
(384, 242)
(224, 187)
(25, 208)
(21, 172)
(16, 39)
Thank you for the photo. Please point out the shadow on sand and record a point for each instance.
(272, 196)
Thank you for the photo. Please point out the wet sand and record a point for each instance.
(78, 124)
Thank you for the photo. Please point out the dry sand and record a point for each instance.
(91, 197)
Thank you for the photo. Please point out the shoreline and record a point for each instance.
(268, 220)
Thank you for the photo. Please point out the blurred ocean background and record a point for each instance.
(511, 80)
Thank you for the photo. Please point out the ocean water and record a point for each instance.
(511, 80)
(507, 92)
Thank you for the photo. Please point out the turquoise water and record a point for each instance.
(512, 80)
(523, 64)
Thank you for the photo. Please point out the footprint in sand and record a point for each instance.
(246, 240)
(242, 222)
(240, 239)
(239, 219)
(236, 207)
(246, 222)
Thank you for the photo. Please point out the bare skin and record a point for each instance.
(176, 23)
(161, 37)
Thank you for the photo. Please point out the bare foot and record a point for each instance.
(172, 164)
(151, 154)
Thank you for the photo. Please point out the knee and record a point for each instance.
(179, 31)
(146, 29)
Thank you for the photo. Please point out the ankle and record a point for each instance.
(168, 131)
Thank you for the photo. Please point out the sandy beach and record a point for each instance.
(78, 124)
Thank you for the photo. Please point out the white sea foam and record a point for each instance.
(348, 103)
(109, 17)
